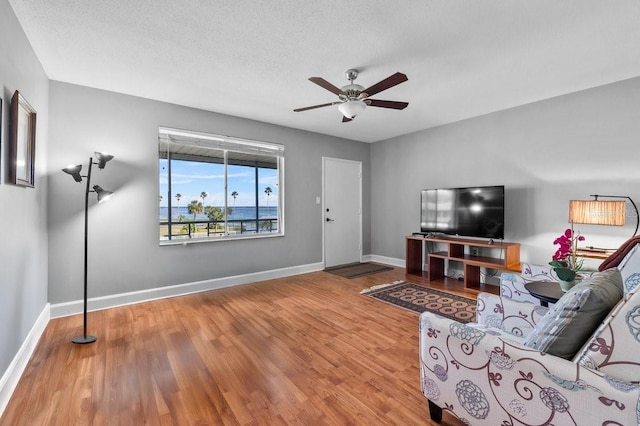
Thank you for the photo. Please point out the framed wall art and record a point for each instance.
(22, 142)
(1, 128)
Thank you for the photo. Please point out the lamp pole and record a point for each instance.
(86, 338)
(632, 203)
(74, 171)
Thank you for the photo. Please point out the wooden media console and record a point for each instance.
(503, 256)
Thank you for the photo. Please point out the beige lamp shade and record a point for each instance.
(596, 212)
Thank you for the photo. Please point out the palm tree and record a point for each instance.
(203, 195)
(178, 197)
(234, 194)
(214, 213)
(268, 191)
(195, 207)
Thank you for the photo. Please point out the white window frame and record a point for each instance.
(201, 140)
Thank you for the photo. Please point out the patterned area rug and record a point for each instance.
(355, 270)
(419, 299)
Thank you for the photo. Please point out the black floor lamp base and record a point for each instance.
(83, 339)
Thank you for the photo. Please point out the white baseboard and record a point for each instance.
(12, 374)
(98, 303)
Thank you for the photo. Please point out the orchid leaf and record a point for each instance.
(565, 274)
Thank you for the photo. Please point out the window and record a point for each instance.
(218, 187)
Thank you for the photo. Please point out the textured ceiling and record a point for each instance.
(252, 59)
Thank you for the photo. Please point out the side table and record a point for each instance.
(546, 291)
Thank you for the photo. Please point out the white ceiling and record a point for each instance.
(252, 59)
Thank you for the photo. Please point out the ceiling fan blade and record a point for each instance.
(387, 104)
(388, 82)
(315, 106)
(326, 85)
(346, 120)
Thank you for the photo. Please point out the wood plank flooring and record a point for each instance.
(302, 350)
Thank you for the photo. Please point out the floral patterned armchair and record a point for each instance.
(488, 373)
(512, 285)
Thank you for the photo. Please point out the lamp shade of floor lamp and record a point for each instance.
(596, 212)
(599, 212)
(102, 195)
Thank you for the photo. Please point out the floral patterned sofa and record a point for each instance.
(575, 363)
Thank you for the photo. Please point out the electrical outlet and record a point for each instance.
(474, 251)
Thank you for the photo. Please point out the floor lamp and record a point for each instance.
(102, 159)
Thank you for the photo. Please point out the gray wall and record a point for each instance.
(545, 153)
(124, 254)
(23, 242)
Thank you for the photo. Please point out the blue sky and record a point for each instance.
(191, 178)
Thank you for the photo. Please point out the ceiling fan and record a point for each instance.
(354, 98)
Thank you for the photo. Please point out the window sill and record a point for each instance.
(186, 241)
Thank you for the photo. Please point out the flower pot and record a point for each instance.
(566, 285)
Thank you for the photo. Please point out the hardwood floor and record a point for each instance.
(306, 350)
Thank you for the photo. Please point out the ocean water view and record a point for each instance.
(237, 213)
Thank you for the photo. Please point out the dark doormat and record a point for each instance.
(418, 298)
(355, 270)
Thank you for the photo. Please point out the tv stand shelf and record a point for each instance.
(459, 250)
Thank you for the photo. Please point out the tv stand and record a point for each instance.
(460, 250)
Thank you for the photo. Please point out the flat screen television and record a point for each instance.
(470, 212)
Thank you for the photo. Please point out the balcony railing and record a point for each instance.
(208, 228)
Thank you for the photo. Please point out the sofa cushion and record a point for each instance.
(613, 348)
(570, 322)
(629, 268)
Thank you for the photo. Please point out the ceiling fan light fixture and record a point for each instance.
(351, 109)
(354, 98)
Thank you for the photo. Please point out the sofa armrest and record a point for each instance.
(509, 315)
(488, 380)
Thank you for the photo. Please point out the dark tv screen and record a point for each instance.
(472, 212)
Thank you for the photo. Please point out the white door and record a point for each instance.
(342, 211)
